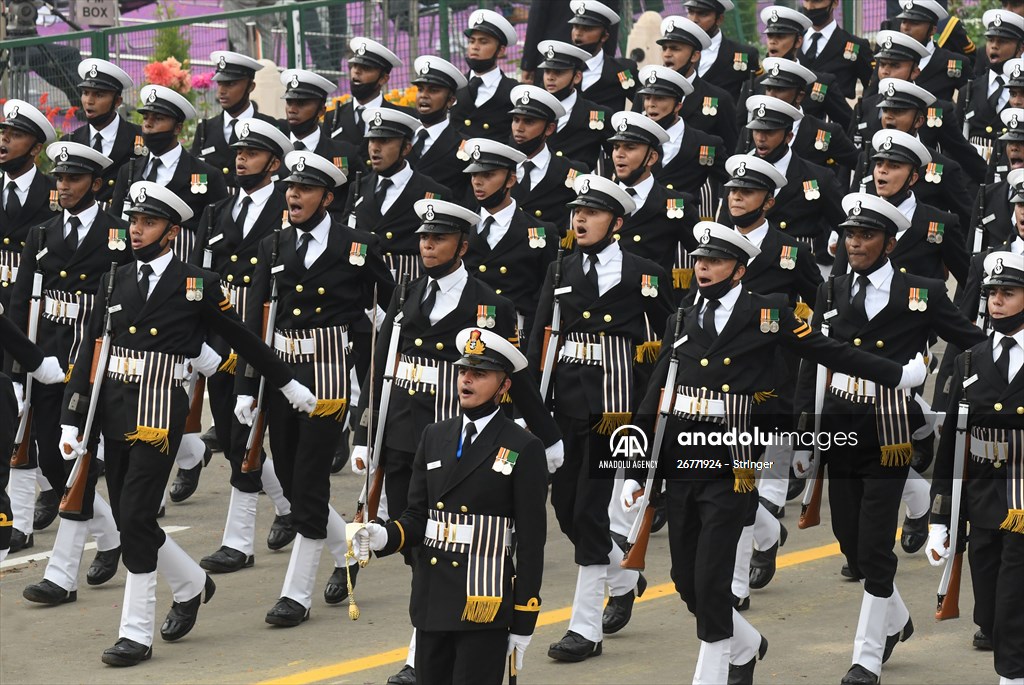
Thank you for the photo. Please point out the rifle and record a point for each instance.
(254, 444)
(967, 112)
(982, 320)
(810, 508)
(350, 204)
(23, 439)
(640, 531)
(74, 490)
(979, 229)
(369, 498)
(948, 595)
(552, 333)
(200, 138)
(863, 172)
(197, 383)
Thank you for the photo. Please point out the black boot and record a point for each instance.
(574, 647)
(341, 453)
(741, 604)
(336, 590)
(620, 609)
(858, 675)
(281, 532)
(48, 592)
(407, 676)
(902, 636)
(773, 509)
(47, 507)
(127, 652)
(103, 566)
(20, 541)
(185, 483)
(763, 563)
(924, 453)
(182, 616)
(210, 438)
(915, 533)
(743, 674)
(287, 613)
(982, 641)
(226, 560)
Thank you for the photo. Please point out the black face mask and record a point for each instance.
(305, 128)
(441, 270)
(148, 253)
(393, 169)
(16, 164)
(84, 203)
(748, 218)
(485, 409)
(101, 120)
(592, 48)
(161, 142)
(819, 16)
(238, 107)
(313, 221)
(878, 263)
(247, 182)
(363, 91)
(431, 118)
(718, 290)
(1007, 324)
(598, 247)
(565, 92)
(901, 195)
(776, 154)
(527, 147)
(498, 196)
(668, 121)
(633, 176)
(482, 66)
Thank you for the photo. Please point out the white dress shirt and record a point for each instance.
(1017, 246)
(783, 166)
(358, 106)
(675, 138)
(568, 103)
(259, 201)
(726, 303)
(1016, 352)
(907, 209)
(107, 135)
(1004, 97)
(248, 113)
(826, 35)
(592, 74)
(489, 87)
(433, 133)
(86, 216)
(642, 190)
(449, 292)
(757, 235)
(310, 141)
(709, 55)
(502, 222)
(21, 185)
(541, 160)
(880, 283)
(399, 180)
(609, 267)
(479, 424)
(159, 265)
(317, 242)
(168, 164)
(930, 47)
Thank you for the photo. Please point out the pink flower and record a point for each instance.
(203, 81)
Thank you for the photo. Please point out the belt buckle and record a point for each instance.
(449, 532)
(584, 350)
(291, 346)
(415, 375)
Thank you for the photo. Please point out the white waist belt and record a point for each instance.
(696, 406)
(133, 368)
(582, 351)
(60, 310)
(417, 373)
(294, 346)
(454, 533)
(8, 274)
(853, 385)
(989, 450)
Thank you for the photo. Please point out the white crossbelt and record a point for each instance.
(853, 385)
(417, 373)
(582, 351)
(454, 533)
(60, 310)
(134, 368)
(697, 406)
(989, 450)
(294, 346)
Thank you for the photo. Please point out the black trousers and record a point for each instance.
(8, 426)
(997, 574)
(580, 500)
(705, 519)
(397, 466)
(865, 500)
(231, 434)
(303, 448)
(463, 657)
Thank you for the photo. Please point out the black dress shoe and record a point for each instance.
(207, 454)
(902, 636)
(845, 572)
(336, 590)
(281, 532)
(20, 541)
(341, 453)
(763, 562)
(741, 604)
(127, 652)
(773, 509)
(161, 512)
(743, 674)
(226, 560)
(287, 613)
(209, 438)
(795, 487)
(915, 533)
(407, 676)
(982, 641)
(574, 647)
(103, 566)
(48, 592)
(660, 517)
(185, 483)
(620, 609)
(47, 507)
(182, 616)
(858, 675)
(923, 454)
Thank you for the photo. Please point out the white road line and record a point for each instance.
(10, 563)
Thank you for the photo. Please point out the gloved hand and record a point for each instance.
(359, 459)
(803, 462)
(299, 396)
(914, 373)
(19, 396)
(207, 362)
(936, 548)
(372, 536)
(833, 242)
(49, 372)
(518, 644)
(627, 499)
(555, 456)
(70, 446)
(245, 409)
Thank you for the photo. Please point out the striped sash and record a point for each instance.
(616, 362)
(9, 261)
(1007, 444)
(892, 420)
(445, 392)
(736, 419)
(404, 264)
(85, 302)
(330, 366)
(184, 244)
(238, 297)
(157, 381)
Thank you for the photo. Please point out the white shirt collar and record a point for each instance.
(1017, 245)
(24, 181)
(321, 232)
(569, 102)
(434, 132)
(377, 101)
(502, 217)
(596, 63)
(907, 209)
(401, 177)
(997, 338)
(171, 157)
(826, 35)
(446, 283)
(248, 113)
(490, 78)
(881, 276)
(726, 302)
(608, 254)
(643, 189)
(159, 265)
(86, 216)
(310, 141)
(782, 166)
(675, 131)
(259, 197)
(542, 158)
(108, 132)
(480, 423)
(757, 235)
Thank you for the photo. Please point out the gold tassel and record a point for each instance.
(897, 455)
(803, 311)
(230, 364)
(612, 420)
(681, 278)
(157, 437)
(67, 376)
(481, 609)
(1014, 521)
(762, 396)
(569, 239)
(648, 352)
(744, 480)
(335, 408)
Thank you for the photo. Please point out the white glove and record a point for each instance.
(19, 396)
(914, 373)
(207, 362)
(49, 372)
(936, 548)
(803, 460)
(833, 242)
(555, 456)
(372, 536)
(70, 446)
(299, 396)
(521, 422)
(245, 409)
(360, 457)
(626, 497)
(518, 644)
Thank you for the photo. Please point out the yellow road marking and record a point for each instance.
(546, 618)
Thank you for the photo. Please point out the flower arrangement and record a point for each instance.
(203, 81)
(170, 73)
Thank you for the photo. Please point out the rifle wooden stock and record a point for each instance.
(544, 347)
(949, 604)
(636, 556)
(252, 461)
(73, 500)
(194, 422)
(810, 513)
(20, 457)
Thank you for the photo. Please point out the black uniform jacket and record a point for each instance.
(845, 56)
(210, 146)
(396, 229)
(491, 119)
(124, 147)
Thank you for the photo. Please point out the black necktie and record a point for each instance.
(303, 248)
(633, 194)
(71, 240)
(1003, 362)
(993, 99)
(592, 273)
(299, 145)
(418, 144)
(474, 88)
(97, 143)
(382, 189)
(357, 113)
(13, 205)
(233, 137)
(242, 213)
(526, 181)
(427, 305)
(812, 51)
(154, 166)
(468, 440)
(144, 273)
(708, 323)
(860, 299)
(485, 231)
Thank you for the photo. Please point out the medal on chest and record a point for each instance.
(740, 61)
(674, 208)
(954, 68)
(357, 254)
(709, 107)
(787, 257)
(818, 92)
(597, 121)
(649, 286)
(935, 231)
(933, 173)
(851, 51)
(626, 79)
(193, 289)
(707, 155)
(769, 320)
(485, 316)
(811, 190)
(934, 117)
(116, 239)
(822, 140)
(570, 178)
(537, 236)
(505, 461)
(199, 184)
(917, 300)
